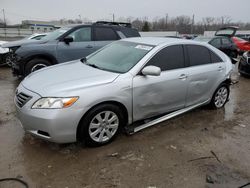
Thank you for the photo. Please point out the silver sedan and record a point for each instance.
(131, 84)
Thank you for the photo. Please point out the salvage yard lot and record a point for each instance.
(203, 148)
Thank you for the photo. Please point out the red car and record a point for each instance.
(241, 44)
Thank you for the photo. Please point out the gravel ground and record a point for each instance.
(202, 148)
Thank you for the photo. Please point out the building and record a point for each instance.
(38, 26)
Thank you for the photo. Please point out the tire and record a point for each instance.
(7, 59)
(36, 64)
(104, 130)
(220, 97)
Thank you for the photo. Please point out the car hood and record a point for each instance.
(67, 78)
(2, 42)
(22, 42)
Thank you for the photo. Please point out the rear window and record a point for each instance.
(225, 41)
(105, 34)
(130, 32)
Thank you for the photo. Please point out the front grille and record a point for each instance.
(22, 99)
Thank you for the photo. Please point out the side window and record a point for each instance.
(225, 41)
(215, 58)
(105, 34)
(81, 35)
(198, 55)
(39, 37)
(169, 58)
(215, 42)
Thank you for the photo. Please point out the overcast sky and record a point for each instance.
(17, 10)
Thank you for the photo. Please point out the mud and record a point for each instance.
(202, 148)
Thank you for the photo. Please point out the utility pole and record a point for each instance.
(192, 26)
(80, 17)
(113, 17)
(166, 22)
(5, 25)
(4, 18)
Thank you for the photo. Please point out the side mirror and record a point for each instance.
(151, 71)
(68, 39)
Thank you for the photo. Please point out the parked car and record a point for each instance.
(244, 64)
(133, 83)
(244, 36)
(68, 43)
(13, 45)
(3, 53)
(241, 44)
(223, 41)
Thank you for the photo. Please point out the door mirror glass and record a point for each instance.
(68, 39)
(151, 71)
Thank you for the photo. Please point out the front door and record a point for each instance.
(156, 95)
(81, 46)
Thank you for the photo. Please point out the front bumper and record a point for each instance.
(244, 67)
(55, 125)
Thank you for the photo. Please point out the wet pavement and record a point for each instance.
(202, 148)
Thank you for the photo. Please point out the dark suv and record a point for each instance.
(66, 44)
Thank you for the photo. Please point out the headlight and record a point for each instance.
(54, 103)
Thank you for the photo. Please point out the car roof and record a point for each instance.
(154, 41)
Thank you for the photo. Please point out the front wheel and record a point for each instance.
(36, 64)
(220, 97)
(101, 125)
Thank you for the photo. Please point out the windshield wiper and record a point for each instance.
(83, 60)
(92, 65)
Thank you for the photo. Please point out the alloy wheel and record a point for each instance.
(221, 97)
(103, 126)
(37, 67)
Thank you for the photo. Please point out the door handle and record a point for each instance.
(183, 76)
(89, 46)
(220, 68)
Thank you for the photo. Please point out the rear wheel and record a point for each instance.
(101, 125)
(36, 64)
(220, 97)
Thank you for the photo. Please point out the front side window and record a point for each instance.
(119, 57)
(198, 55)
(105, 34)
(169, 58)
(81, 35)
(38, 37)
(56, 34)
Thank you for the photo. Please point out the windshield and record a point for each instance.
(119, 57)
(226, 31)
(55, 34)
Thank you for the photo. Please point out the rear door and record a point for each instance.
(81, 46)
(104, 35)
(205, 72)
(156, 95)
